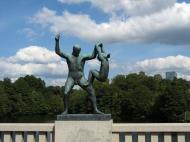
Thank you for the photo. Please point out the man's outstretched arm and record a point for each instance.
(92, 56)
(57, 48)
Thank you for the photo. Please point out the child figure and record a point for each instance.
(101, 75)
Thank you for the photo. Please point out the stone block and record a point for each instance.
(83, 128)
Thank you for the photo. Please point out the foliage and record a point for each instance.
(129, 98)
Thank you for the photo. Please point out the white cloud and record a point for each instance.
(168, 26)
(35, 54)
(33, 60)
(170, 62)
(129, 7)
(41, 62)
(179, 64)
(144, 7)
(54, 69)
(186, 77)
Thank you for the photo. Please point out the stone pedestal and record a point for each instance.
(83, 128)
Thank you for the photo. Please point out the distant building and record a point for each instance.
(171, 75)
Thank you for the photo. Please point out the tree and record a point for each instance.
(137, 104)
(35, 83)
(129, 98)
(4, 102)
(172, 104)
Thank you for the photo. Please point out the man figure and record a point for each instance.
(76, 64)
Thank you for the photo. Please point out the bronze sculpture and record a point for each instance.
(76, 63)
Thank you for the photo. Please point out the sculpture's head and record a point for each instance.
(76, 50)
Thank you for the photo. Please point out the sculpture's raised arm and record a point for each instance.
(57, 48)
(92, 56)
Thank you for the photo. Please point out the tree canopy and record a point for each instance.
(129, 98)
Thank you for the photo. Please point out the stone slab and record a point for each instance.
(84, 117)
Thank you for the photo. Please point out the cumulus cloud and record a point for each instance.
(168, 25)
(179, 64)
(33, 60)
(41, 62)
(34, 54)
(129, 7)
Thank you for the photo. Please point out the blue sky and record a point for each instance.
(148, 35)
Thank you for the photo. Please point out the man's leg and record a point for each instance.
(91, 94)
(68, 87)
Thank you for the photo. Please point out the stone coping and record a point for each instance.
(150, 127)
(84, 117)
(116, 127)
(28, 127)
